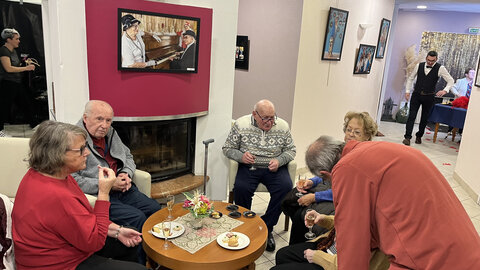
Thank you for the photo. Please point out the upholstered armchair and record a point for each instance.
(232, 173)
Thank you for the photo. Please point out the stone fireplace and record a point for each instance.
(165, 149)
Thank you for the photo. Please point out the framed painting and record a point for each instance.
(363, 63)
(382, 38)
(335, 34)
(241, 52)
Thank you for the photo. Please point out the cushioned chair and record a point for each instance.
(13, 166)
(292, 169)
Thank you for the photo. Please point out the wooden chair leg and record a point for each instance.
(287, 221)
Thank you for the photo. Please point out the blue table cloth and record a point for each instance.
(446, 114)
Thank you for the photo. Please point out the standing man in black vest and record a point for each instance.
(427, 75)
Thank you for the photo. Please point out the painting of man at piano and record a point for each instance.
(156, 42)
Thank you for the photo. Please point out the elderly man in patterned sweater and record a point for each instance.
(262, 145)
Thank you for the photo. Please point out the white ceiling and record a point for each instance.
(472, 6)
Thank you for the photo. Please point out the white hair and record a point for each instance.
(9, 33)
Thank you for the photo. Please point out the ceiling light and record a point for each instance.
(421, 7)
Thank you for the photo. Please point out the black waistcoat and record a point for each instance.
(426, 83)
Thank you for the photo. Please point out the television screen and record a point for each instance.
(155, 42)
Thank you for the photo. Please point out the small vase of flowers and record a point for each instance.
(199, 206)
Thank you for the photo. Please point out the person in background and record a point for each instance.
(356, 126)
(262, 145)
(463, 88)
(393, 198)
(427, 74)
(53, 224)
(11, 86)
(128, 206)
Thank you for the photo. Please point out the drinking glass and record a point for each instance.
(252, 168)
(170, 202)
(301, 182)
(167, 232)
(310, 218)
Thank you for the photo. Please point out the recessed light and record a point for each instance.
(421, 7)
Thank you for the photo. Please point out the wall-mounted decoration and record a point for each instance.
(477, 77)
(363, 64)
(382, 38)
(335, 34)
(241, 53)
(155, 42)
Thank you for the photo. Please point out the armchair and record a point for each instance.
(232, 173)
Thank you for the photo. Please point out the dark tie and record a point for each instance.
(429, 66)
(469, 90)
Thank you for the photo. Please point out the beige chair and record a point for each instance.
(13, 166)
(292, 169)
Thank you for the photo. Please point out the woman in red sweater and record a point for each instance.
(53, 225)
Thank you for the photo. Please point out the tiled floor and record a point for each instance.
(443, 154)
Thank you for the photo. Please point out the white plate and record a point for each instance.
(243, 241)
(175, 233)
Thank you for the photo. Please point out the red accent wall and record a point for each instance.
(140, 94)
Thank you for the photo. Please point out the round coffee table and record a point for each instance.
(212, 256)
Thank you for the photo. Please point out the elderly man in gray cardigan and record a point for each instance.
(262, 145)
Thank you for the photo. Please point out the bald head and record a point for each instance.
(264, 104)
(97, 118)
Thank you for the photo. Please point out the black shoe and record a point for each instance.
(418, 140)
(270, 242)
(406, 142)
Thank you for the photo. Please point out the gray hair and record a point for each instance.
(323, 154)
(49, 143)
(9, 33)
(92, 103)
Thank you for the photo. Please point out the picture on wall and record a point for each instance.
(335, 34)
(364, 61)
(477, 77)
(241, 52)
(155, 42)
(382, 38)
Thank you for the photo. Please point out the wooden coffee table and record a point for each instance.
(212, 256)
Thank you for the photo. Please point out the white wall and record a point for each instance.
(467, 170)
(326, 90)
(66, 51)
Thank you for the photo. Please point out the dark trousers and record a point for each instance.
(298, 229)
(278, 185)
(426, 101)
(114, 255)
(132, 208)
(9, 93)
(291, 257)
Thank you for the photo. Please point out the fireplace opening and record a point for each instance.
(165, 149)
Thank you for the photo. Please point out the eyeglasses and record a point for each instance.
(267, 119)
(81, 149)
(356, 133)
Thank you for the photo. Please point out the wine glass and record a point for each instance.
(170, 202)
(301, 183)
(252, 168)
(310, 218)
(166, 231)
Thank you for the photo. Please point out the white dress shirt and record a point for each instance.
(442, 72)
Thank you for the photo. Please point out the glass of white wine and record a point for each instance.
(310, 218)
(301, 183)
(170, 202)
(167, 232)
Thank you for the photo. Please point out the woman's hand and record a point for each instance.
(308, 254)
(307, 199)
(308, 184)
(30, 67)
(106, 179)
(129, 237)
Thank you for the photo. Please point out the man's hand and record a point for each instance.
(106, 180)
(122, 183)
(30, 67)
(308, 254)
(306, 186)
(306, 200)
(318, 216)
(407, 96)
(248, 158)
(273, 165)
(441, 93)
(129, 237)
